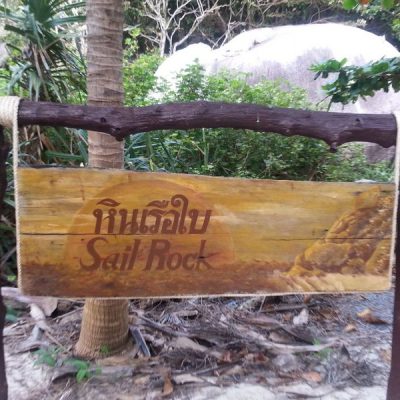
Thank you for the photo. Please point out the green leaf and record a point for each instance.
(396, 84)
(63, 156)
(66, 20)
(9, 202)
(46, 356)
(81, 375)
(380, 67)
(388, 4)
(349, 4)
(78, 364)
(11, 315)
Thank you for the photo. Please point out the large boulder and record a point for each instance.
(286, 53)
(199, 52)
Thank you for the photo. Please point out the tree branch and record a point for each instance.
(169, 20)
(196, 23)
(334, 128)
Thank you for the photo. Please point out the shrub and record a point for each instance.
(243, 153)
(139, 79)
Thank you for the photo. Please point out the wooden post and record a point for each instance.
(393, 390)
(3, 186)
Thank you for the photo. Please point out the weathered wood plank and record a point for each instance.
(101, 233)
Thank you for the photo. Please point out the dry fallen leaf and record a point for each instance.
(305, 390)
(186, 343)
(168, 388)
(307, 298)
(141, 380)
(287, 317)
(368, 316)
(262, 320)
(386, 355)
(183, 342)
(256, 358)
(40, 319)
(277, 337)
(186, 378)
(350, 328)
(302, 318)
(328, 313)
(186, 313)
(235, 370)
(127, 359)
(226, 357)
(312, 376)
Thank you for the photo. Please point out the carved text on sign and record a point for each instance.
(165, 221)
(156, 219)
(160, 257)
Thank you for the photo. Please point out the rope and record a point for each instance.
(9, 118)
(8, 106)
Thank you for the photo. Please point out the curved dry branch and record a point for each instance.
(334, 128)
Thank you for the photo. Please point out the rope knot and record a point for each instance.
(8, 110)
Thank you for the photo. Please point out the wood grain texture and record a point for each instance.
(103, 233)
(333, 127)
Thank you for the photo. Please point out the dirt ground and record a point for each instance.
(293, 347)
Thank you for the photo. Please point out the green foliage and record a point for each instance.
(104, 350)
(349, 164)
(350, 4)
(138, 73)
(380, 20)
(83, 370)
(243, 153)
(47, 356)
(51, 357)
(388, 4)
(42, 65)
(323, 354)
(11, 314)
(7, 230)
(353, 82)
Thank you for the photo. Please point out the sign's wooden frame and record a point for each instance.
(334, 128)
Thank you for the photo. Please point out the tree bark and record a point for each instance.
(105, 327)
(334, 128)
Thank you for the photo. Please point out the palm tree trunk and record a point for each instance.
(104, 328)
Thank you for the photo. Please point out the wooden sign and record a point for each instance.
(108, 233)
